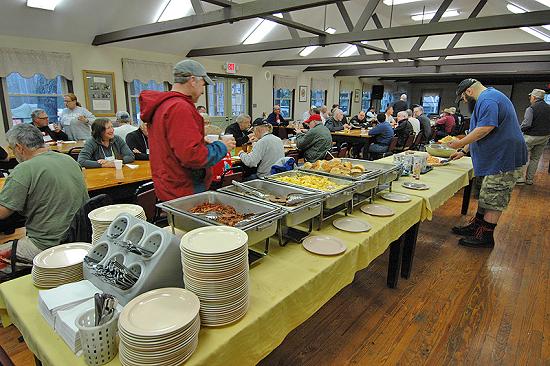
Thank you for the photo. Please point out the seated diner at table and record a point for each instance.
(315, 141)
(382, 133)
(41, 121)
(276, 118)
(266, 152)
(104, 147)
(138, 142)
(46, 187)
(240, 129)
(445, 124)
(403, 128)
(359, 120)
(124, 123)
(336, 122)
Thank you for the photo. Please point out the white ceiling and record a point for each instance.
(80, 20)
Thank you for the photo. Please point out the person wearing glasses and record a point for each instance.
(76, 120)
(275, 118)
(41, 121)
(181, 159)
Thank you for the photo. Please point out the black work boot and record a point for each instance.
(482, 238)
(469, 229)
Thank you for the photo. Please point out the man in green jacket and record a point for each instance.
(316, 141)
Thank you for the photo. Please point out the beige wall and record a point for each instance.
(105, 58)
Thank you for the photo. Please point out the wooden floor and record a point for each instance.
(462, 306)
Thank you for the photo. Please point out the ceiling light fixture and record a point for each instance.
(348, 51)
(176, 9)
(534, 32)
(544, 2)
(261, 29)
(515, 9)
(309, 49)
(398, 2)
(43, 4)
(429, 16)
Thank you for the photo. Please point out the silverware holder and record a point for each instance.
(153, 258)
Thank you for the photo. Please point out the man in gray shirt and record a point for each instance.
(266, 152)
(425, 124)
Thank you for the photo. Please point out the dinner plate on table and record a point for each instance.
(396, 197)
(416, 186)
(352, 225)
(324, 245)
(377, 210)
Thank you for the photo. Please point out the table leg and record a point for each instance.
(409, 246)
(37, 362)
(394, 266)
(466, 197)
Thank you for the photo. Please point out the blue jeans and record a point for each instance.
(377, 148)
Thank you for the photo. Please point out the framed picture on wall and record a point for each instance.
(302, 93)
(99, 90)
(357, 96)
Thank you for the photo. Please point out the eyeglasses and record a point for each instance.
(43, 117)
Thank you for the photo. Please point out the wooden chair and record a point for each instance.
(146, 198)
(73, 152)
(417, 144)
(233, 173)
(5, 360)
(391, 150)
(343, 153)
(409, 142)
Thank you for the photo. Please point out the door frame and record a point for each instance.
(249, 78)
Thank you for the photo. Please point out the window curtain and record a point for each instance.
(146, 70)
(30, 62)
(284, 82)
(319, 84)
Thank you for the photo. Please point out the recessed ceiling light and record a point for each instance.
(534, 32)
(309, 49)
(364, 42)
(43, 4)
(547, 26)
(430, 15)
(544, 2)
(399, 2)
(176, 9)
(348, 51)
(515, 9)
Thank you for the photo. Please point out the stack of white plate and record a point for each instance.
(102, 217)
(159, 327)
(59, 265)
(215, 268)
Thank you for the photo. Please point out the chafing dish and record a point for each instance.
(261, 227)
(296, 214)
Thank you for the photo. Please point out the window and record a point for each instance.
(285, 99)
(430, 102)
(345, 102)
(547, 98)
(135, 88)
(365, 101)
(238, 96)
(318, 97)
(28, 94)
(387, 100)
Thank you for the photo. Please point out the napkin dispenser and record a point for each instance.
(132, 257)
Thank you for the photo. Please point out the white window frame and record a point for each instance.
(277, 101)
(347, 112)
(324, 93)
(132, 97)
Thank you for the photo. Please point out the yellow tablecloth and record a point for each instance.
(444, 182)
(287, 287)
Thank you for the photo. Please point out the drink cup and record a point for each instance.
(118, 164)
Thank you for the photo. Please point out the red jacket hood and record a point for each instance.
(149, 101)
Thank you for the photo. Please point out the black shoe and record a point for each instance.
(482, 238)
(468, 230)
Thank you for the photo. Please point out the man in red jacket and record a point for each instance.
(181, 160)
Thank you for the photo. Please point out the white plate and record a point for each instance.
(324, 245)
(159, 311)
(109, 213)
(213, 240)
(396, 197)
(63, 255)
(352, 225)
(415, 186)
(377, 210)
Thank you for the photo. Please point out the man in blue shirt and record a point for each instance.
(382, 133)
(498, 152)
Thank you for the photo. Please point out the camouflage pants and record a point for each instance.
(496, 190)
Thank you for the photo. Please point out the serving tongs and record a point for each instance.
(255, 192)
(291, 199)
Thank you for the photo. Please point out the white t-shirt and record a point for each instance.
(123, 130)
(415, 124)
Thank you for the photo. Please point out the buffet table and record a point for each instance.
(444, 182)
(287, 287)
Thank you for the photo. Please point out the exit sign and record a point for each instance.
(230, 68)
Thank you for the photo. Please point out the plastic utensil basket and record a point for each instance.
(99, 343)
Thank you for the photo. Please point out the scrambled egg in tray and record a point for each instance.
(311, 181)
